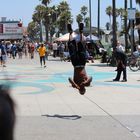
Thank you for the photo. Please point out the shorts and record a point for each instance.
(77, 53)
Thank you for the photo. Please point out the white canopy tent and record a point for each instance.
(65, 37)
(91, 38)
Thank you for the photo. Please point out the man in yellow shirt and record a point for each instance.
(42, 51)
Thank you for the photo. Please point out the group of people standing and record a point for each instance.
(15, 49)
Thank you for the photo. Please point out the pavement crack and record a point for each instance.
(123, 125)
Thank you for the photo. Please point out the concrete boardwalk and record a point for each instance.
(48, 108)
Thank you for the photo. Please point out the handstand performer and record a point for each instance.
(77, 53)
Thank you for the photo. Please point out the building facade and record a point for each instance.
(10, 30)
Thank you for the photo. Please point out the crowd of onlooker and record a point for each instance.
(18, 49)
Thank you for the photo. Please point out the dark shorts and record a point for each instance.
(77, 53)
(0, 58)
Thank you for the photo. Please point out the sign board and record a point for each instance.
(1, 28)
(11, 28)
(131, 13)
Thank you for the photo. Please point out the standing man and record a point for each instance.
(121, 59)
(77, 53)
(55, 49)
(119, 47)
(42, 52)
(3, 54)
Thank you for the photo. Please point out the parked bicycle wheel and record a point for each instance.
(135, 66)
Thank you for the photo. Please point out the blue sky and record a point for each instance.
(23, 9)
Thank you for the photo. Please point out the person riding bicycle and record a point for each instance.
(135, 55)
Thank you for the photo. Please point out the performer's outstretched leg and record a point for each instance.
(72, 46)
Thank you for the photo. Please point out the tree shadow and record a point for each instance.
(67, 117)
(111, 81)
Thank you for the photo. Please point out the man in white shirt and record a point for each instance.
(119, 47)
(55, 46)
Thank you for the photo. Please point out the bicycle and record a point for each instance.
(134, 63)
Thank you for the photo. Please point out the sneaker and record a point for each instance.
(44, 66)
(69, 28)
(4, 65)
(81, 27)
(115, 80)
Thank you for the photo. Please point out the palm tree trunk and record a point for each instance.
(125, 26)
(138, 2)
(99, 18)
(114, 44)
(47, 36)
(139, 35)
(110, 27)
(114, 25)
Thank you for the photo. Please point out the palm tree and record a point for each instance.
(79, 18)
(138, 1)
(114, 24)
(98, 18)
(84, 11)
(65, 16)
(45, 2)
(114, 43)
(125, 25)
(117, 13)
(33, 31)
(109, 13)
(107, 26)
(38, 17)
(87, 24)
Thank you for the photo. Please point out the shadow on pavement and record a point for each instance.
(112, 81)
(99, 65)
(68, 117)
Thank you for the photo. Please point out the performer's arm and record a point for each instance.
(73, 83)
(87, 81)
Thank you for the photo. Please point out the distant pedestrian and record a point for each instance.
(55, 47)
(14, 50)
(121, 60)
(3, 54)
(42, 53)
(120, 47)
